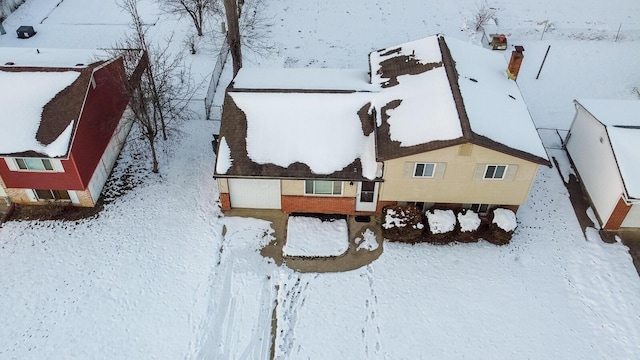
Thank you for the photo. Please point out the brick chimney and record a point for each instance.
(515, 62)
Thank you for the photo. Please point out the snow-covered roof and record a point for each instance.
(419, 96)
(452, 90)
(23, 96)
(622, 121)
(320, 130)
(50, 57)
(30, 80)
(303, 79)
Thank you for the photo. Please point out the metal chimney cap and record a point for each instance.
(519, 48)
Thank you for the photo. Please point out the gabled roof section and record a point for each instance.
(42, 92)
(621, 119)
(321, 131)
(436, 93)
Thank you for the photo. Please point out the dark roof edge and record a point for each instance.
(452, 76)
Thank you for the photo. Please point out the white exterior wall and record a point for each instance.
(595, 162)
(633, 217)
(108, 159)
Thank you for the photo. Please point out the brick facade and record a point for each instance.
(319, 204)
(225, 201)
(618, 215)
(19, 196)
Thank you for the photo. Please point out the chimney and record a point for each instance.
(515, 62)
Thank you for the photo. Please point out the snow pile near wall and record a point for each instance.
(441, 221)
(505, 219)
(224, 157)
(368, 241)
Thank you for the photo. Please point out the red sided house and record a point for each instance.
(61, 124)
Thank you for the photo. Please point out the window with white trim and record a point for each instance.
(424, 170)
(495, 172)
(322, 187)
(52, 194)
(32, 164)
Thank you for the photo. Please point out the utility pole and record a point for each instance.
(233, 33)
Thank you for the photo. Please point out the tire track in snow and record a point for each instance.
(371, 330)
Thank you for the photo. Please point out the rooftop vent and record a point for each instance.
(25, 32)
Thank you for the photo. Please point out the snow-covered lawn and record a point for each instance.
(152, 276)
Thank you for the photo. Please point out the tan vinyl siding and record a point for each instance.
(462, 179)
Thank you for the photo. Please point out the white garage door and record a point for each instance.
(255, 194)
(633, 217)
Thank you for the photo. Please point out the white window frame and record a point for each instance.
(486, 170)
(425, 166)
(14, 164)
(333, 188)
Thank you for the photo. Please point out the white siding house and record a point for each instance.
(602, 143)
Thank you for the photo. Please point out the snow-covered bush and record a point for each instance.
(441, 221)
(469, 221)
(503, 223)
(505, 219)
(402, 223)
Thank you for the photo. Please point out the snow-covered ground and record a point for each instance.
(153, 276)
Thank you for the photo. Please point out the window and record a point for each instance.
(34, 164)
(479, 208)
(52, 194)
(495, 172)
(424, 170)
(322, 187)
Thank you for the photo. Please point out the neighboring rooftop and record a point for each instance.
(51, 58)
(622, 121)
(41, 97)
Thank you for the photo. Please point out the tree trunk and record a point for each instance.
(233, 34)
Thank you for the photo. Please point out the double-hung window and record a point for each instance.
(495, 172)
(31, 164)
(322, 187)
(424, 170)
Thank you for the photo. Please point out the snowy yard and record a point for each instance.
(153, 276)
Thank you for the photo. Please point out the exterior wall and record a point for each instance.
(595, 163)
(225, 198)
(617, 216)
(319, 204)
(109, 157)
(2, 192)
(65, 180)
(103, 109)
(296, 188)
(457, 184)
(295, 200)
(225, 201)
(632, 220)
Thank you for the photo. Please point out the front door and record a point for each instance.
(367, 197)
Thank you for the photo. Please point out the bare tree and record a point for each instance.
(233, 13)
(164, 90)
(197, 10)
